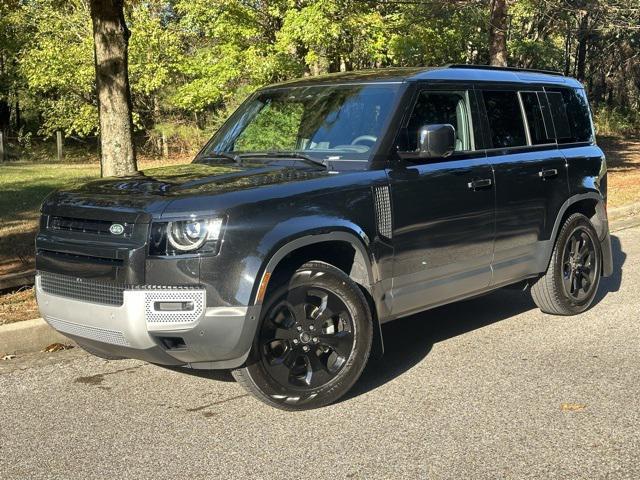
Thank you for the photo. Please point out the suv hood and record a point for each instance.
(140, 196)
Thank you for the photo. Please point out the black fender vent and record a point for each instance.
(382, 200)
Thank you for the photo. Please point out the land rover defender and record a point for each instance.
(325, 207)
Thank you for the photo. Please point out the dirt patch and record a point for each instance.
(623, 162)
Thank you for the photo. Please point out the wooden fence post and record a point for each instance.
(1, 146)
(165, 145)
(59, 144)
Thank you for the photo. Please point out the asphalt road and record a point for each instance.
(488, 388)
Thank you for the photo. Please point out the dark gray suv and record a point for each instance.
(325, 207)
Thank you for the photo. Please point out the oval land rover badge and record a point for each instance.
(116, 229)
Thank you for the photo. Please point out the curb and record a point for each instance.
(621, 218)
(35, 335)
(28, 336)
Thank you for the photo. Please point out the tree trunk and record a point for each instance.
(5, 115)
(581, 54)
(18, 112)
(567, 52)
(498, 33)
(111, 41)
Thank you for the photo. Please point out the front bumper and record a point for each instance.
(210, 337)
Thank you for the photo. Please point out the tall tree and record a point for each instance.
(111, 44)
(498, 33)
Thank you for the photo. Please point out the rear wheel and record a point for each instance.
(572, 278)
(313, 340)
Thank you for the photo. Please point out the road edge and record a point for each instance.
(621, 218)
(28, 336)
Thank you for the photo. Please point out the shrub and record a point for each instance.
(617, 122)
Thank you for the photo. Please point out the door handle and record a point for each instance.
(548, 173)
(483, 183)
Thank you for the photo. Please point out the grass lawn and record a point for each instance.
(25, 184)
(23, 187)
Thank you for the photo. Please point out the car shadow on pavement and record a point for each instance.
(612, 283)
(408, 341)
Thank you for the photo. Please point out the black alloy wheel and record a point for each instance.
(570, 284)
(579, 265)
(313, 341)
(306, 338)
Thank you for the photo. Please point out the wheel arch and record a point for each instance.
(345, 250)
(593, 206)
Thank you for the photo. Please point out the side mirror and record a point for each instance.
(436, 141)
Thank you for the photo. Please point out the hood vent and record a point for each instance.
(382, 200)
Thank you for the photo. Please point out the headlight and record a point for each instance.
(194, 235)
(188, 235)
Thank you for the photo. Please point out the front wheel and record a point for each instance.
(312, 343)
(571, 281)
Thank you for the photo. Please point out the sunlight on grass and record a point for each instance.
(24, 185)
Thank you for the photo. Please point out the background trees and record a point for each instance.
(190, 61)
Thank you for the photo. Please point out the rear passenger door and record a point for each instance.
(530, 174)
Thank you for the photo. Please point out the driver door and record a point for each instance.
(443, 208)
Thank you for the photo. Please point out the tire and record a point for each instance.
(99, 353)
(571, 281)
(312, 342)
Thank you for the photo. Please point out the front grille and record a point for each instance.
(81, 289)
(95, 227)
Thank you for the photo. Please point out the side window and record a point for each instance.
(560, 118)
(539, 131)
(506, 125)
(571, 115)
(441, 107)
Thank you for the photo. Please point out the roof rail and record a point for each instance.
(506, 69)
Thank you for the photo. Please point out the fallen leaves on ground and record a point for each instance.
(18, 305)
(572, 407)
(57, 347)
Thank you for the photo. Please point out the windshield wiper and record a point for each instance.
(282, 155)
(235, 158)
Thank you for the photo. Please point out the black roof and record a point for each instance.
(480, 73)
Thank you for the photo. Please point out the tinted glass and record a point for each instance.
(538, 131)
(433, 108)
(559, 115)
(579, 114)
(318, 121)
(506, 126)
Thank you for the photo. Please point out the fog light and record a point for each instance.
(173, 306)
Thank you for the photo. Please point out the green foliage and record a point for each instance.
(193, 61)
(182, 136)
(57, 64)
(274, 128)
(616, 121)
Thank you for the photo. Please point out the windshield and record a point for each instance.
(322, 122)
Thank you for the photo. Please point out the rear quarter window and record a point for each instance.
(571, 115)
